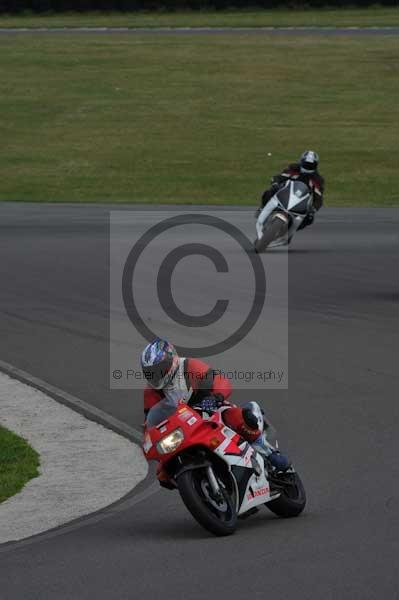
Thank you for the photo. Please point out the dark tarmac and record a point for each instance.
(339, 420)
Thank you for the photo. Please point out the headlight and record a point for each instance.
(170, 442)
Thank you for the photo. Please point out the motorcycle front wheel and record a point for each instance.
(277, 228)
(219, 516)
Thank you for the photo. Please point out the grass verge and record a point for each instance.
(350, 17)
(18, 463)
(196, 119)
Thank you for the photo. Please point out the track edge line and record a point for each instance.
(80, 406)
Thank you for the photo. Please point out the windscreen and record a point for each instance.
(160, 412)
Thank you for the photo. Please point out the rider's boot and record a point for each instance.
(253, 417)
(278, 461)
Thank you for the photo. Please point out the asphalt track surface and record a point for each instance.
(340, 417)
(340, 31)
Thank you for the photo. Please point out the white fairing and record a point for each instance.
(296, 219)
(268, 209)
(257, 489)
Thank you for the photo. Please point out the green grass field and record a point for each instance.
(192, 119)
(18, 463)
(367, 17)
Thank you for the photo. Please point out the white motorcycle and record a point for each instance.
(283, 215)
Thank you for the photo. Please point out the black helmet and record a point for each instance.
(309, 161)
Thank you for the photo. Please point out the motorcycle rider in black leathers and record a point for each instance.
(306, 171)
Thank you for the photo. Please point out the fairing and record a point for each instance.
(295, 200)
(244, 463)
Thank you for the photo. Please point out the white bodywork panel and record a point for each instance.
(274, 203)
(268, 209)
(257, 489)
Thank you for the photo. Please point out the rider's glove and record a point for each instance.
(249, 418)
(257, 212)
(211, 403)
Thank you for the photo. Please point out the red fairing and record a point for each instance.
(197, 431)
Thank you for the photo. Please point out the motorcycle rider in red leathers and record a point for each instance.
(172, 379)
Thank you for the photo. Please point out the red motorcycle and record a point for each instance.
(220, 477)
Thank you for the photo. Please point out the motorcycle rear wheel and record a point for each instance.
(192, 488)
(292, 499)
(277, 228)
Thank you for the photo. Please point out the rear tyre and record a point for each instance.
(277, 228)
(218, 517)
(292, 499)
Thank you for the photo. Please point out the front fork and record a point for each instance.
(213, 482)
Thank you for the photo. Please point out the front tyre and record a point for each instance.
(292, 499)
(218, 516)
(276, 229)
